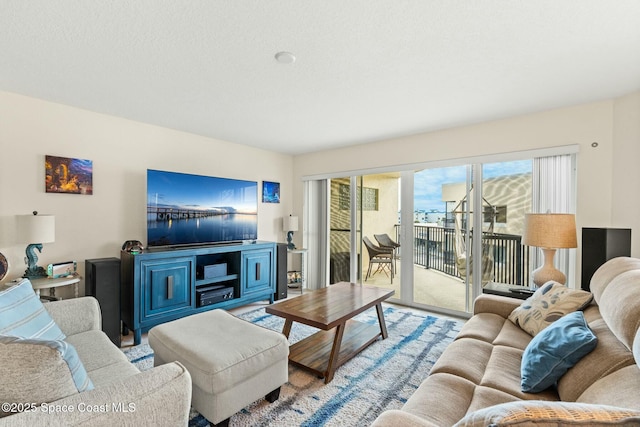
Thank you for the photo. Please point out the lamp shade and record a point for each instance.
(37, 228)
(550, 230)
(290, 223)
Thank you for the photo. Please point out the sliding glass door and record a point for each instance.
(437, 235)
(441, 237)
(438, 245)
(340, 229)
(365, 228)
(507, 190)
(379, 214)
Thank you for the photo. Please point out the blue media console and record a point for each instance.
(160, 285)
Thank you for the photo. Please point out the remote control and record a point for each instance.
(521, 291)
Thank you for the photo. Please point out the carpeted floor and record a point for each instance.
(382, 377)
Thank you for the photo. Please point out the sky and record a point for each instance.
(200, 192)
(428, 183)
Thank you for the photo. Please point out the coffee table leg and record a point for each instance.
(287, 327)
(335, 352)
(383, 325)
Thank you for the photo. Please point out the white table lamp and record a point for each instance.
(290, 224)
(549, 231)
(40, 229)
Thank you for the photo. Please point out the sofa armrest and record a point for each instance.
(496, 304)
(160, 397)
(76, 315)
(397, 418)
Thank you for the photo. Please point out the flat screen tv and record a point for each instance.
(185, 209)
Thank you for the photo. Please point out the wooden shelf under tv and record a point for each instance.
(212, 280)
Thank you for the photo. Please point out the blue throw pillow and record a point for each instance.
(66, 351)
(554, 350)
(23, 315)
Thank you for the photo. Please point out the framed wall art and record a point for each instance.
(270, 192)
(67, 175)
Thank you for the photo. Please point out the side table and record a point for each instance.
(507, 290)
(303, 276)
(52, 284)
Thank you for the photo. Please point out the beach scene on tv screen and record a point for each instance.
(185, 209)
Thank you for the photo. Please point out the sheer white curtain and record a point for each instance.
(554, 190)
(316, 232)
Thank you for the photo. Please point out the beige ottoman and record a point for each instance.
(232, 362)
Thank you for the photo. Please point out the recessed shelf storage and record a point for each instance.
(220, 268)
(160, 285)
(226, 278)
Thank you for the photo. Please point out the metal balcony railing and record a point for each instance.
(434, 249)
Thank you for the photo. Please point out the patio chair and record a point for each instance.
(383, 257)
(385, 242)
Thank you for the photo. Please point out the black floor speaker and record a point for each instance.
(102, 281)
(281, 273)
(599, 245)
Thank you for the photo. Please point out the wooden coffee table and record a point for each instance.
(330, 308)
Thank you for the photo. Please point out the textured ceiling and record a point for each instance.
(365, 70)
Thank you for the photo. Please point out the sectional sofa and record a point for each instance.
(478, 380)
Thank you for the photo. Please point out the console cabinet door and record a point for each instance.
(167, 286)
(257, 271)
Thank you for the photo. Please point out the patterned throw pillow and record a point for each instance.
(65, 353)
(541, 413)
(548, 304)
(23, 315)
(39, 371)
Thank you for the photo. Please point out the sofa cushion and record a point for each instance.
(554, 350)
(620, 388)
(459, 350)
(550, 413)
(636, 348)
(619, 305)
(494, 329)
(609, 271)
(488, 367)
(437, 388)
(104, 362)
(608, 356)
(157, 397)
(502, 370)
(23, 315)
(38, 371)
(547, 304)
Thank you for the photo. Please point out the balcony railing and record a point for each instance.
(434, 249)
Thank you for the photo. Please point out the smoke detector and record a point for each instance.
(285, 57)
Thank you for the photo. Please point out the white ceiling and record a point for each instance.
(365, 70)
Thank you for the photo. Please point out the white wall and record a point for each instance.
(626, 168)
(604, 184)
(95, 226)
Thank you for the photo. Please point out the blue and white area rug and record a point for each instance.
(381, 377)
